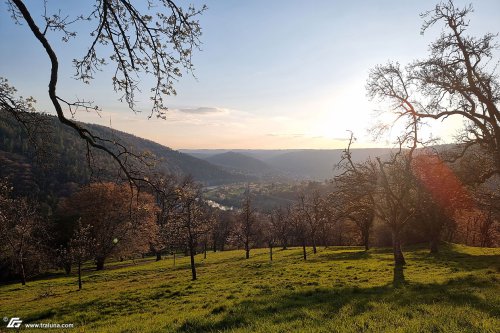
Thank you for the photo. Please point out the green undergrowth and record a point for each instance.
(339, 289)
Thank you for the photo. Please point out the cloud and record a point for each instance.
(292, 135)
(203, 110)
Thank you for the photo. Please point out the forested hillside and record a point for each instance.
(61, 163)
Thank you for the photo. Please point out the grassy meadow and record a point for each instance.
(340, 289)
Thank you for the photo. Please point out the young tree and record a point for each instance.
(310, 210)
(488, 201)
(221, 231)
(299, 226)
(192, 218)
(355, 196)
(156, 42)
(281, 225)
(270, 232)
(247, 223)
(80, 247)
(166, 200)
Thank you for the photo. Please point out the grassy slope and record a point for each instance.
(337, 290)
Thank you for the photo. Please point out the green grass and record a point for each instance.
(340, 289)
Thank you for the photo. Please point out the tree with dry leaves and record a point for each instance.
(122, 221)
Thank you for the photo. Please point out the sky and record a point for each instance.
(276, 74)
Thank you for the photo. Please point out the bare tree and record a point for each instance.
(310, 208)
(80, 247)
(156, 42)
(246, 231)
(23, 232)
(192, 218)
(300, 226)
(489, 228)
(281, 225)
(166, 200)
(270, 233)
(222, 229)
(355, 196)
(459, 78)
(394, 190)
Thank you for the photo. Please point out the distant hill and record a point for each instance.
(319, 164)
(237, 162)
(66, 164)
(312, 164)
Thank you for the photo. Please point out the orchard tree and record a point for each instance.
(270, 232)
(458, 79)
(299, 226)
(192, 219)
(222, 229)
(23, 232)
(247, 231)
(393, 185)
(80, 247)
(122, 221)
(154, 40)
(166, 200)
(282, 226)
(355, 195)
(311, 212)
(439, 196)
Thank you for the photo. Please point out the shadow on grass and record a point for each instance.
(345, 255)
(398, 279)
(287, 308)
(448, 256)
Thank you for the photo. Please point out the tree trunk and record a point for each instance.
(193, 267)
(314, 245)
(214, 246)
(398, 278)
(174, 259)
(67, 268)
(304, 250)
(23, 274)
(434, 245)
(158, 256)
(247, 251)
(399, 259)
(205, 251)
(99, 262)
(270, 252)
(366, 242)
(79, 275)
